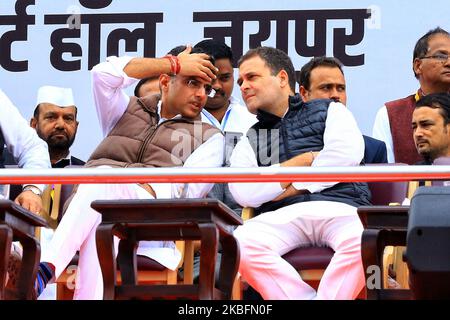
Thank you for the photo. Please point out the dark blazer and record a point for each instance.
(8, 159)
(374, 151)
(66, 162)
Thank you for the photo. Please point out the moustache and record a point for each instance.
(59, 132)
(421, 141)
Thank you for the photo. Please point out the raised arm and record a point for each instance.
(110, 78)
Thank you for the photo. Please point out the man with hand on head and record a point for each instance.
(139, 132)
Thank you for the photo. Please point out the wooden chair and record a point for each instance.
(18, 224)
(392, 194)
(393, 262)
(208, 220)
(150, 271)
(383, 226)
(311, 262)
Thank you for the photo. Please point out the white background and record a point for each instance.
(386, 74)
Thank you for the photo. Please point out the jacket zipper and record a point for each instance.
(285, 140)
(149, 136)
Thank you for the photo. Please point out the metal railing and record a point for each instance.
(202, 175)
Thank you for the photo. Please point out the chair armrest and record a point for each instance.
(384, 217)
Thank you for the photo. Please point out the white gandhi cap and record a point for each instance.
(62, 97)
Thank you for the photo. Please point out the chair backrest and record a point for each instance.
(386, 192)
(14, 189)
(54, 198)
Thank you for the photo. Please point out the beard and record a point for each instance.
(60, 144)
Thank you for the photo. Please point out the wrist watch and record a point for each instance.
(33, 189)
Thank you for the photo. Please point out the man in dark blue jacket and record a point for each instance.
(293, 133)
(323, 78)
(431, 127)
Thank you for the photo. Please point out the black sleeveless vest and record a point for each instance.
(275, 140)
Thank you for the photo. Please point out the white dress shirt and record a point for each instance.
(236, 119)
(22, 141)
(111, 101)
(382, 131)
(343, 146)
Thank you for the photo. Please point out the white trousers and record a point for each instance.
(76, 232)
(266, 238)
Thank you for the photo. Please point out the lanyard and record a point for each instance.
(215, 122)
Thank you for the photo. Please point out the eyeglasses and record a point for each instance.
(195, 84)
(441, 57)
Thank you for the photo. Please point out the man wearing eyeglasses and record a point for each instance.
(161, 130)
(431, 66)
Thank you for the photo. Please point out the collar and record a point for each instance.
(158, 110)
(64, 162)
(419, 94)
(178, 116)
(268, 119)
(213, 121)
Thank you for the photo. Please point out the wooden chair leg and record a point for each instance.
(401, 268)
(63, 292)
(188, 267)
(237, 291)
(388, 262)
(5, 250)
(172, 276)
(29, 267)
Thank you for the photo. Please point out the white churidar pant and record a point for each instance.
(76, 231)
(265, 238)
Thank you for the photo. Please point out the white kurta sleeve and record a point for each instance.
(22, 141)
(343, 145)
(250, 194)
(108, 82)
(382, 131)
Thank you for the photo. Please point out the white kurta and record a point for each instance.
(265, 238)
(382, 131)
(22, 141)
(77, 228)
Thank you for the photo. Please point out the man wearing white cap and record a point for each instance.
(55, 121)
